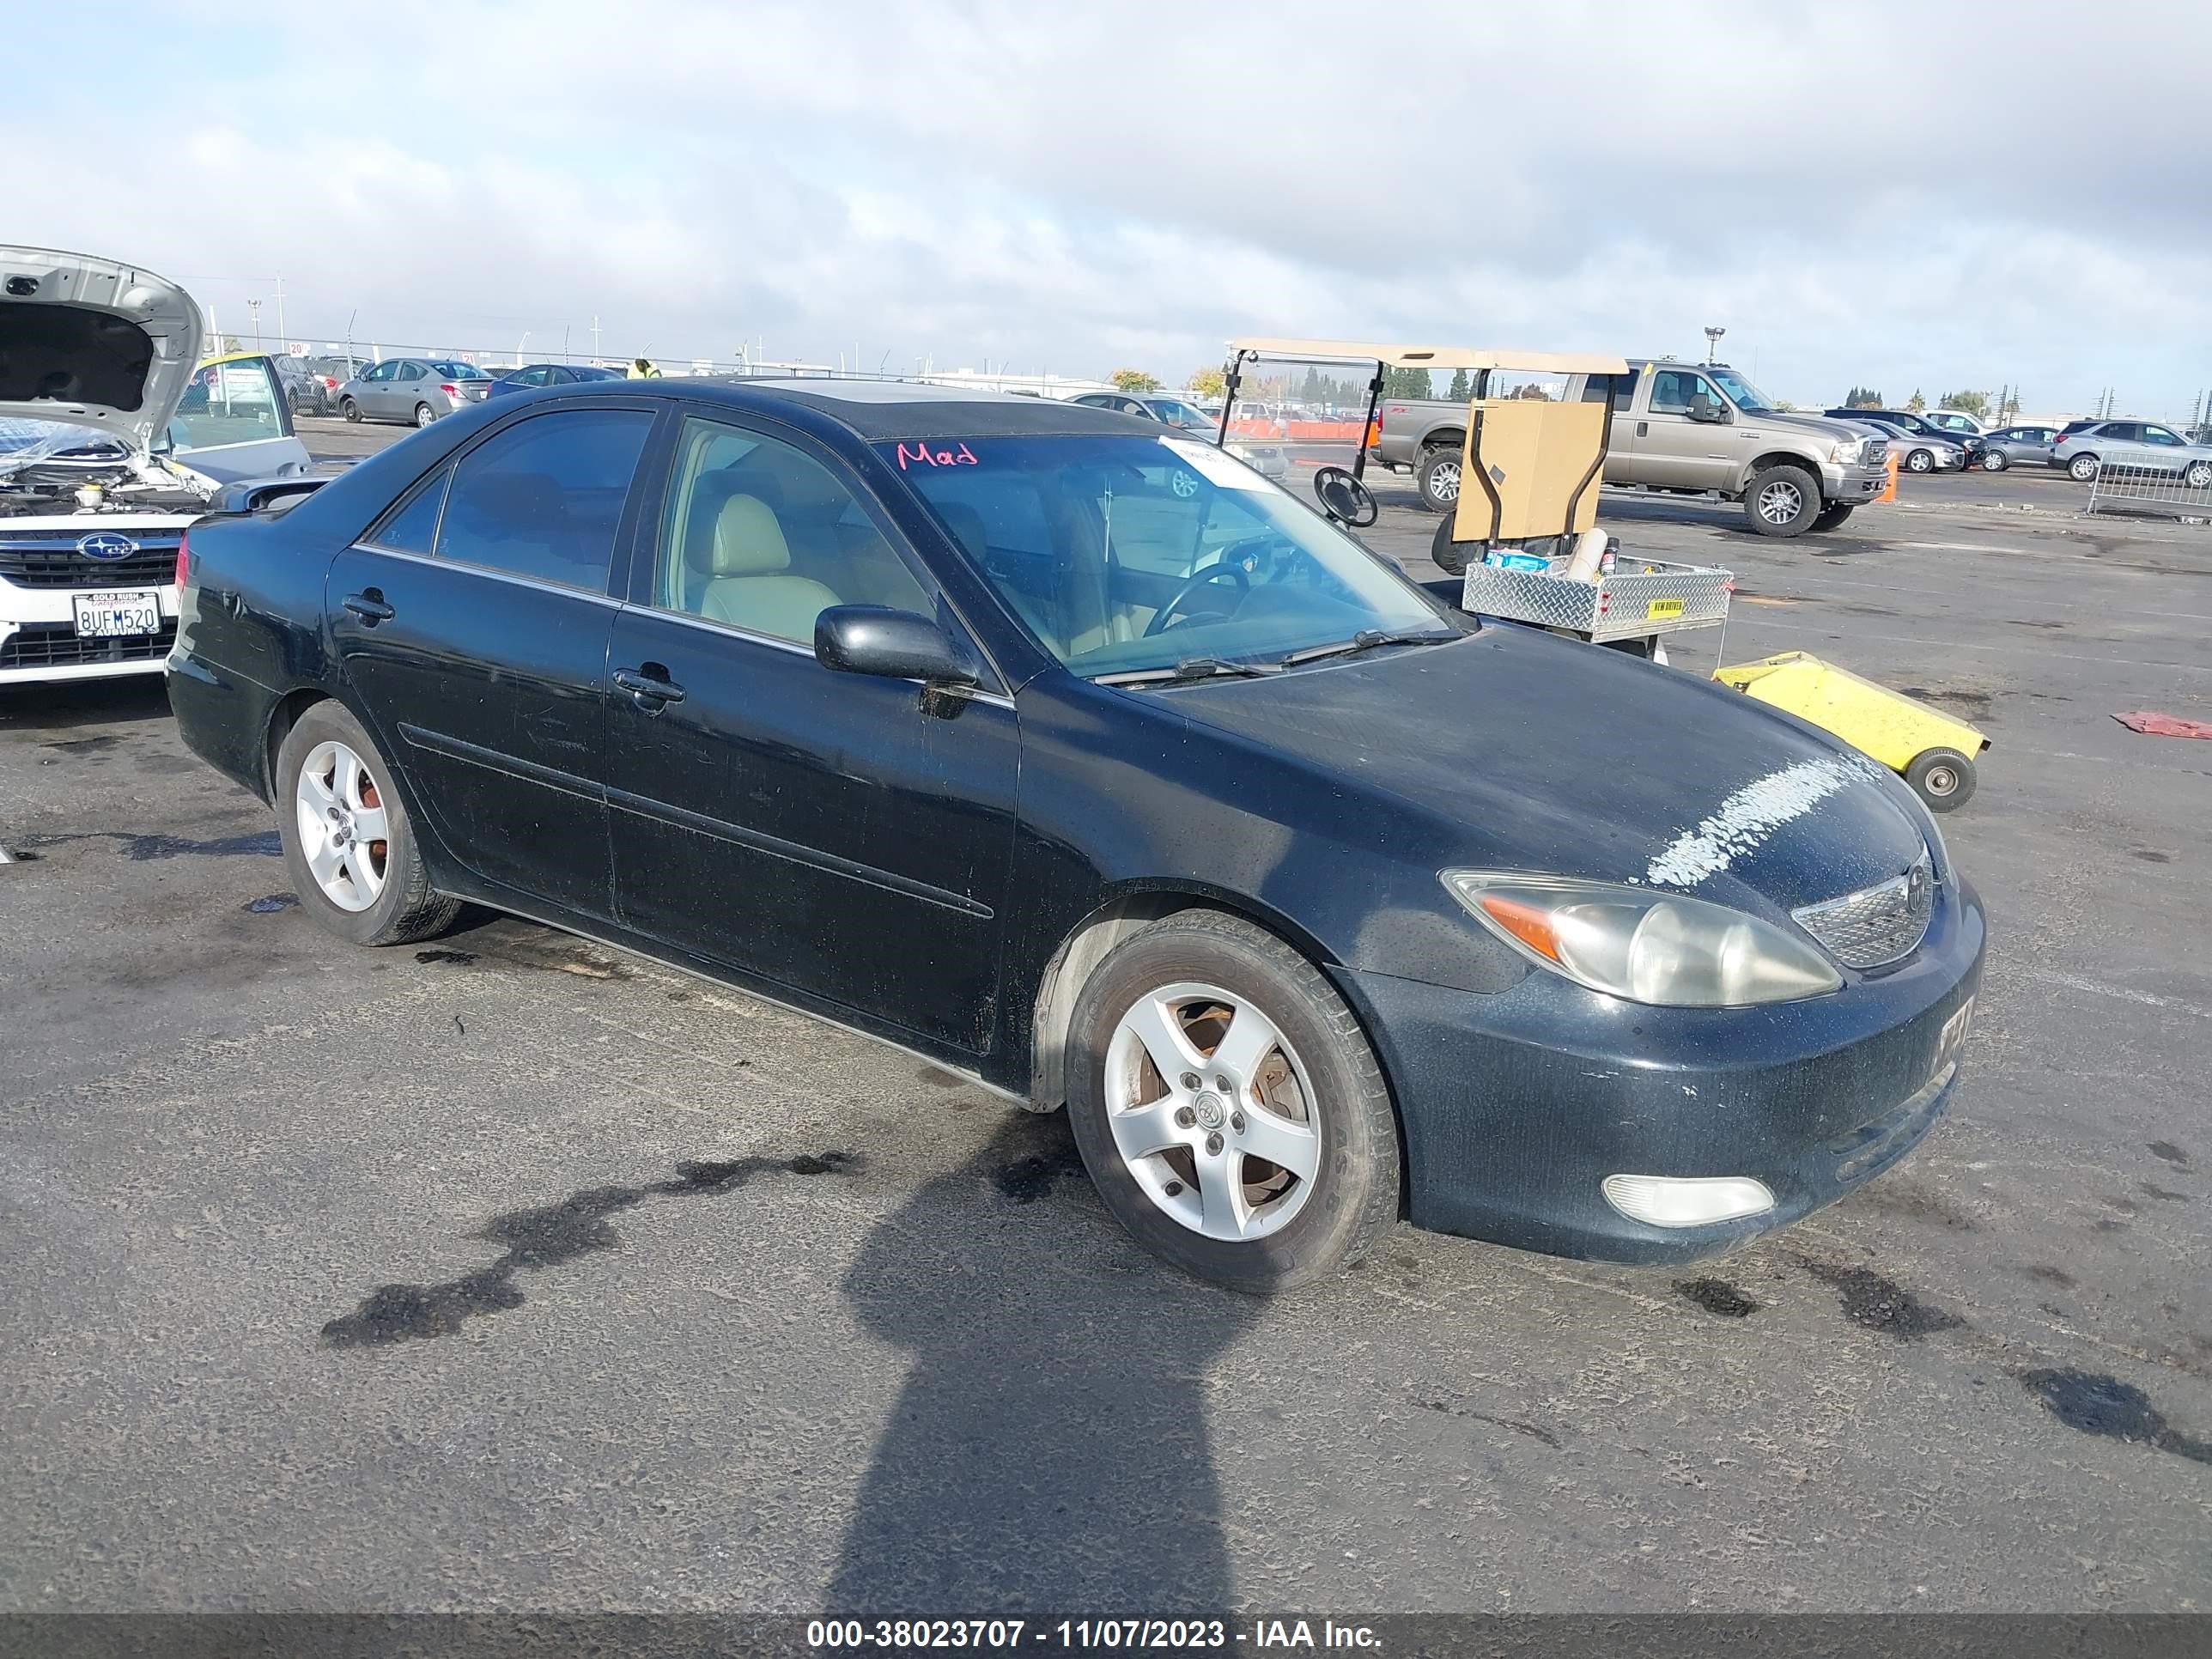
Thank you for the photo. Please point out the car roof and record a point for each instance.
(880, 410)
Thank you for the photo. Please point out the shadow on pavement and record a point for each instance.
(69, 703)
(1050, 1449)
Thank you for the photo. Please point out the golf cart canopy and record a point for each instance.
(1424, 356)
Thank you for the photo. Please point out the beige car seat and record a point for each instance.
(749, 585)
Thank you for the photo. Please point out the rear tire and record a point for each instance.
(1782, 501)
(1272, 1230)
(1943, 778)
(1437, 477)
(424, 413)
(1994, 460)
(1450, 556)
(349, 408)
(372, 889)
(1833, 518)
(2081, 468)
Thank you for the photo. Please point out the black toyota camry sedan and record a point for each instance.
(1075, 756)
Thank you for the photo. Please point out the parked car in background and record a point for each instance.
(1269, 459)
(2017, 446)
(532, 375)
(1918, 446)
(1046, 742)
(96, 486)
(2084, 448)
(1956, 420)
(417, 390)
(335, 371)
(304, 389)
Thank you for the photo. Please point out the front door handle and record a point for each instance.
(370, 607)
(1644, 429)
(651, 692)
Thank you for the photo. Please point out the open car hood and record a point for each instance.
(94, 343)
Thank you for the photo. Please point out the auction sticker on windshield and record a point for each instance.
(1216, 468)
(115, 616)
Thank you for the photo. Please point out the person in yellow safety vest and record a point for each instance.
(641, 368)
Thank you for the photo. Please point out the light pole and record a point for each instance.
(1713, 341)
(254, 305)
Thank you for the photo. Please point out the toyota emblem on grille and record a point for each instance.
(106, 545)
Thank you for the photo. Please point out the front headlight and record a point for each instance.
(1644, 946)
(1847, 453)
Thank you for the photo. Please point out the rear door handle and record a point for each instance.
(369, 607)
(1644, 429)
(649, 692)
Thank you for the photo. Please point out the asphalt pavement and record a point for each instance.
(509, 1271)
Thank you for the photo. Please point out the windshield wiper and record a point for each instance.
(1190, 668)
(1370, 639)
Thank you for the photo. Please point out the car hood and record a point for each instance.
(94, 343)
(1814, 426)
(1517, 749)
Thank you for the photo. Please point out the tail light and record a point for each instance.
(451, 391)
(184, 553)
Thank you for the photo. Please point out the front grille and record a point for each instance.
(56, 645)
(1878, 925)
(48, 560)
(1874, 451)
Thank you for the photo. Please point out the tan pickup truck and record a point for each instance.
(1692, 428)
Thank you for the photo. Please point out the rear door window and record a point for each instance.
(543, 498)
(229, 404)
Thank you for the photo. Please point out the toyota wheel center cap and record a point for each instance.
(1210, 1113)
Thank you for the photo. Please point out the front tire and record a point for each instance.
(1920, 460)
(349, 846)
(1782, 501)
(1437, 477)
(2199, 475)
(2081, 468)
(1228, 1107)
(1833, 518)
(349, 408)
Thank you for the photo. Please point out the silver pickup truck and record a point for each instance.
(1692, 428)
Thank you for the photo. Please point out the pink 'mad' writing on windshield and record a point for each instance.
(922, 455)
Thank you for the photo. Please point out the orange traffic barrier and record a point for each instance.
(1889, 489)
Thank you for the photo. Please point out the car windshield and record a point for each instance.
(1741, 393)
(1175, 413)
(1125, 554)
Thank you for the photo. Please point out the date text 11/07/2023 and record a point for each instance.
(1120, 1634)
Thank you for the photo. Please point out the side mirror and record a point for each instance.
(896, 644)
(1706, 412)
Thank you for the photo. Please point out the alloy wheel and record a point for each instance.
(424, 413)
(1212, 1111)
(343, 830)
(1781, 501)
(1444, 483)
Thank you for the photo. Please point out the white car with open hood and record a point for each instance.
(113, 437)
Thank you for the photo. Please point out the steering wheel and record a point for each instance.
(1345, 499)
(1220, 567)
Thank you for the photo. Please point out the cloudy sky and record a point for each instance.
(1927, 195)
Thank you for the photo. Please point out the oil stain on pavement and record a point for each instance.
(142, 848)
(1881, 1305)
(542, 1238)
(270, 903)
(1049, 1155)
(2097, 1404)
(1718, 1295)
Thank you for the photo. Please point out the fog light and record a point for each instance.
(1687, 1201)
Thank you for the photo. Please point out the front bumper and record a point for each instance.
(1516, 1106)
(1850, 485)
(38, 641)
